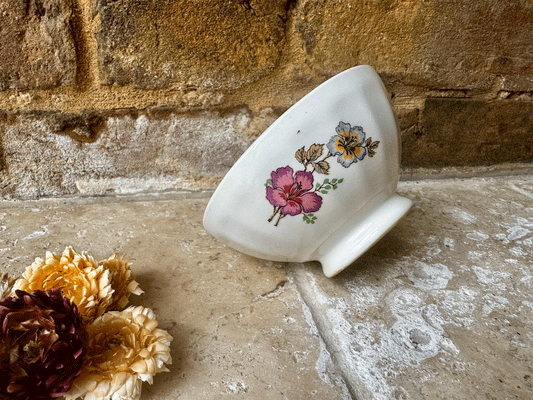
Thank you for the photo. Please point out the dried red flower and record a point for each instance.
(41, 345)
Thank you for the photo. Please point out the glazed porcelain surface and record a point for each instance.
(320, 182)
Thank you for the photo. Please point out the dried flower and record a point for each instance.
(122, 280)
(79, 278)
(6, 285)
(125, 348)
(41, 345)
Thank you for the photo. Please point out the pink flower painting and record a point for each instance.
(293, 193)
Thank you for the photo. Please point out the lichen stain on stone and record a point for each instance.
(82, 127)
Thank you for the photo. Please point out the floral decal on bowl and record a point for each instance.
(294, 193)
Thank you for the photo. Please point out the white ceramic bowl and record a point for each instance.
(320, 182)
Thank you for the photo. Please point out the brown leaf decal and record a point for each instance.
(314, 152)
(371, 147)
(300, 156)
(322, 167)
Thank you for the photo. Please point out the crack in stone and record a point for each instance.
(278, 290)
(355, 388)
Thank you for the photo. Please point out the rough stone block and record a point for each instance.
(460, 132)
(210, 44)
(36, 45)
(52, 153)
(438, 44)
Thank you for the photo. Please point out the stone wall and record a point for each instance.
(101, 96)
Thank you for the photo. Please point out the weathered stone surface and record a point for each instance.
(436, 44)
(517, 83)
(53, 153)
(464, 132)
(239, 327)
(36, 45)
(441, 307)
(211, 44)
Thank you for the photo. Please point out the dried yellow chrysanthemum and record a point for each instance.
(93, 287)
(125, 348)
(79, 278)
(6, 285)
(122, 280)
